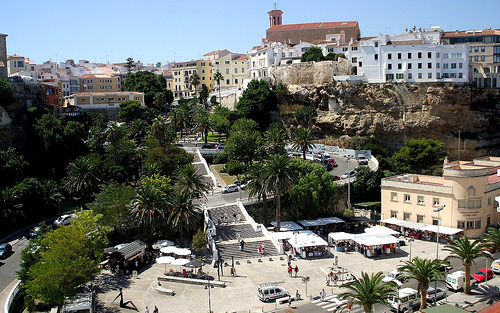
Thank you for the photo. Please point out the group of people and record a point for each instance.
(154, 311)
(262, 248)
(292, 269)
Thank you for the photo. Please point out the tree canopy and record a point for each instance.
(420, 156)
(257, 101)
(146, 82)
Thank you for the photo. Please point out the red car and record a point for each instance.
(480, 276)
(332, 162)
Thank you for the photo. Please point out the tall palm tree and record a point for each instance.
(50, 194)
(275, 138)
(278, 177)
(367, 290)
(218, 77)
(256, 188)
(82, 178)
(424, 271)
(466, 251)
(148, 207)
(188, 178)
(194, 79)
(204, 123)
(183, 214)
(303, 140)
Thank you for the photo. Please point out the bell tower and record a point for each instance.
(275, 16)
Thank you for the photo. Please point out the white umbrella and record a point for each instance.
(165, 260)
(182, 251)
(179, 261)
(165, 243)
(169, 249)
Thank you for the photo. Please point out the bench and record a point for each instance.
(161, 290)
(194, 281)
(284, 300)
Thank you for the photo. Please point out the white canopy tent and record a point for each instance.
(380, 230)
(375, 239)
(320, 221)
(304, 242)
(338, 236)
(168, 250)
(423, 227)
(287, 225)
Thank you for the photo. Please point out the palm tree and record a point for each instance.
(218, 77)
(189, 179)
(148, 207)
(303, 140)
(424, 271)
(492, 237)
(194, 79)
(367, 291)
(466, 251)
(204, 123)
(278, 177)
(82, 178)
(9, 205)
(183, 214)
(50, 194)
(257, 189)
(275, 138)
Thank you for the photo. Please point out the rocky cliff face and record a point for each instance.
(396, 112)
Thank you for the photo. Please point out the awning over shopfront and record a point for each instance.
(423, 227)
(287, 225)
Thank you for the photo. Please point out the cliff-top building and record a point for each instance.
(309, 32)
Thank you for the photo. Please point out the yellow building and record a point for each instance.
(233, 67)
(182, 71)
(102, 100)
(466, 189)
(169, 78)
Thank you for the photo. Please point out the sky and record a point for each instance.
(179, 30)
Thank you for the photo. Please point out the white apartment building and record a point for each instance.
(262, 58)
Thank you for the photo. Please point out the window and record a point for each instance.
(236, 80)
(489, 201)
(483, 58)
(496, 49)
(399, 56)
(227, 71)
(409, 55)
(445, 66)
(445, 55)
(400, 66)
(409, 66)
(438, 65)
(376, 56)
(419, 55)
(400, 76)
(438, 55)
(488, 220)
(389, 66)
(394, 214)
(435, 221)
(453, 65)
(436, 201)
(470, 204)
(469, 224)
(482, 49)
(354, 48)
(406, 216)
(407, 198)
(389, 56)
(476, 58)
(477, 224)
(376, 44)
(461, 224)
(389, 76)
(419, 65)
(354, 60)
(227, 81)
(410, 76)
(429, 55)
(420, 218)
(459, 65)
(419, 75)
(394, 196)
(236, 70)
(420, 200)
(429, 65)
(429, 75)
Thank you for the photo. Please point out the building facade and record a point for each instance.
(484, 54)
(102, 100)
(233, 67)
(468, 189)
(182, 72)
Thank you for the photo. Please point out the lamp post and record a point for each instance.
(439, 209)
(410, 241)
(208, 286)
(486, 252)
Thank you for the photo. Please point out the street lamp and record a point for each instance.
(439, 209)
(208, 286)
(486, 258)
(410, 241)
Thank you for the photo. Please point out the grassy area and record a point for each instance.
(214, 137)
(228, 179)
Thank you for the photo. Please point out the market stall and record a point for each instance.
(423, 231)
(375, 244)
(303, 243)
(287, 225)
(340, 240)
(323, 225)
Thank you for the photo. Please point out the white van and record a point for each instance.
(270, 291)
(408, 298)
(456, 280)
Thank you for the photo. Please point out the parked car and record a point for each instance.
(347, 174)
(332, 162)
(407, 298)
(456, 280)
(208, 146)
(483, 275)
(63, 220)
(394, 275)
(269, 291)
(362, 160)
(495, 266)
(491, 249)
(244, 184)
(229, 188)
(440, 293)
(5, 250)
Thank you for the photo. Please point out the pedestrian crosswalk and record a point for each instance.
(329, 303)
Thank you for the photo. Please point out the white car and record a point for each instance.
(440, 293)
(348, 174)
(495, 266)
(392, 276)
(229, 188)
(63, 220)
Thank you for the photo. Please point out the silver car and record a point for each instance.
(229, 188)
(440, 293)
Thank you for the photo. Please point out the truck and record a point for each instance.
(456, 280)
(407, 298)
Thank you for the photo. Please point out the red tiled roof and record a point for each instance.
(314, 25)
(469, 33)
(88, 76)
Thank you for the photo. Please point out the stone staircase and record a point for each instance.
(227, 235)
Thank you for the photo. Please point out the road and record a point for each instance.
(10, 266)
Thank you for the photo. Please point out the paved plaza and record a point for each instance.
(240, 295)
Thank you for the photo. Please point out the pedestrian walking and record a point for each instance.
(146, 310)
(238, 235)
(155, 310)
(263, 248)
(296, 270)
(260, 249)
(290, 270)
(322, 294)
(289, 261)
(242, 245)
(327, 281)
(289, 300)
(335, 279)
